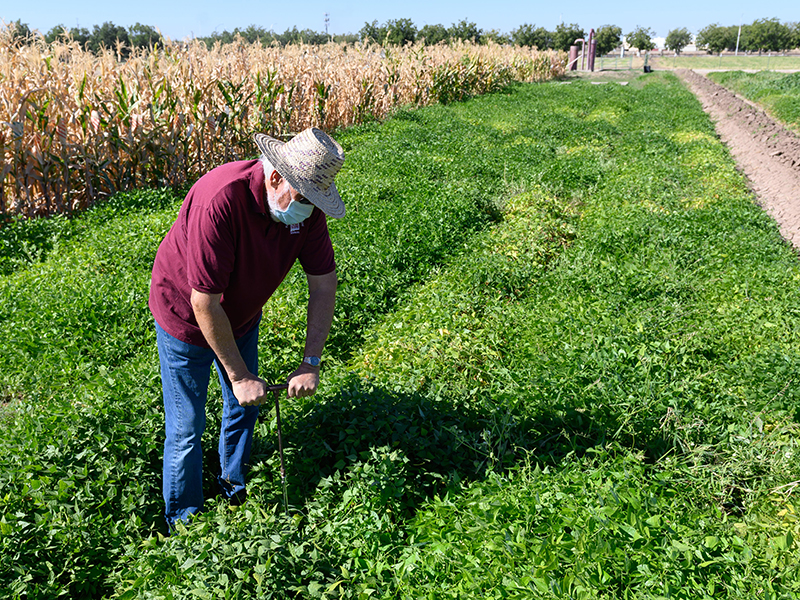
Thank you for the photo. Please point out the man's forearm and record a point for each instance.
(249, 389)
(321, 301)
(216, 328)
(321, 304)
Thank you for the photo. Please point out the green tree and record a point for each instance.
(395, 32)
(466, 31)
(227, 37)
(257, 34)
(769, 35)
(400, 32)
(223, 37)
(530, 35)
(372, 32)
(57, 32)
(144, 36)
(433, 34)
(80, 35)
(315, 38)
(565, 35)
(738, 38)
(303, 36)
(496, 36)
(795, 28)
(641, 38)
(678, 39)
(715, 38)
(20, 32)
(289, 36)
(106, 36)
(345, 38)
(608, 37)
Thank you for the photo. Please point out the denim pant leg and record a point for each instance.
(185, 372)
(238, 422)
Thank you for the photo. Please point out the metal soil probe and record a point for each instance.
(275, 389)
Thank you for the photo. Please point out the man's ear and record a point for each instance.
(275, 178)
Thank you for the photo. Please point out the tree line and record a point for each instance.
(107, 35)
(403, 31)
(392, 32)
(762, 35)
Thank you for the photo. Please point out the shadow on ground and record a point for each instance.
(445, 440)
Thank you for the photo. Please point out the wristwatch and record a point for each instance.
(312, 360)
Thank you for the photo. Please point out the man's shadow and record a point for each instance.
(443, 441)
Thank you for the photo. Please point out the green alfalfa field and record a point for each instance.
(565, 364)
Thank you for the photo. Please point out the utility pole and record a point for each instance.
(327, 22)
(739, 35)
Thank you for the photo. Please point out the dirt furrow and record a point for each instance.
(767, 152)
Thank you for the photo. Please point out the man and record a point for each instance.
(239, 231)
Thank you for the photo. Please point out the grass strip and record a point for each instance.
(778, 93)
(727, 62)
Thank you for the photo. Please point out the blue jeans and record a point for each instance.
(185, 373)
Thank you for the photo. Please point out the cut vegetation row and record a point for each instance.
(778, 93)
(564, 365)
(765, 149)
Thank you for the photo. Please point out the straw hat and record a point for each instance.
(309, 162)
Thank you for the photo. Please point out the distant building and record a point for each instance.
(660, 44)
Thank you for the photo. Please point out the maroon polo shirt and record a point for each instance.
(225, 242)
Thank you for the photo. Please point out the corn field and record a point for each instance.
(76, 127)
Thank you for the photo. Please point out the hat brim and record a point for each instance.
(328, 201)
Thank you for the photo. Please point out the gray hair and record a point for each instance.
(268, 168)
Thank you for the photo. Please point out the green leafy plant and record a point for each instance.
(563, 366)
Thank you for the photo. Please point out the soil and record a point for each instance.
(766, 151)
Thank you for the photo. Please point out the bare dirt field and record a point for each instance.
(767, 152)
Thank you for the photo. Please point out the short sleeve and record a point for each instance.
(210, 255)
(316, 256)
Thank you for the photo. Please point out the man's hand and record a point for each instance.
(250, 390)
(321, 300)
(304, 381)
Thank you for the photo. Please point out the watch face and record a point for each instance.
(312, 360)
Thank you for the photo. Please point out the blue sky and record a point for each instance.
(179, 19)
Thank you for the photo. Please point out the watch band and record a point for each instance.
(312, 360)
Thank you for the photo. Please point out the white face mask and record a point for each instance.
(296, 212)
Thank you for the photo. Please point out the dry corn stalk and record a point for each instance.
(75, 127)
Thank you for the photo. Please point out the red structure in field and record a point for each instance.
(592, 49)
(572, 64)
